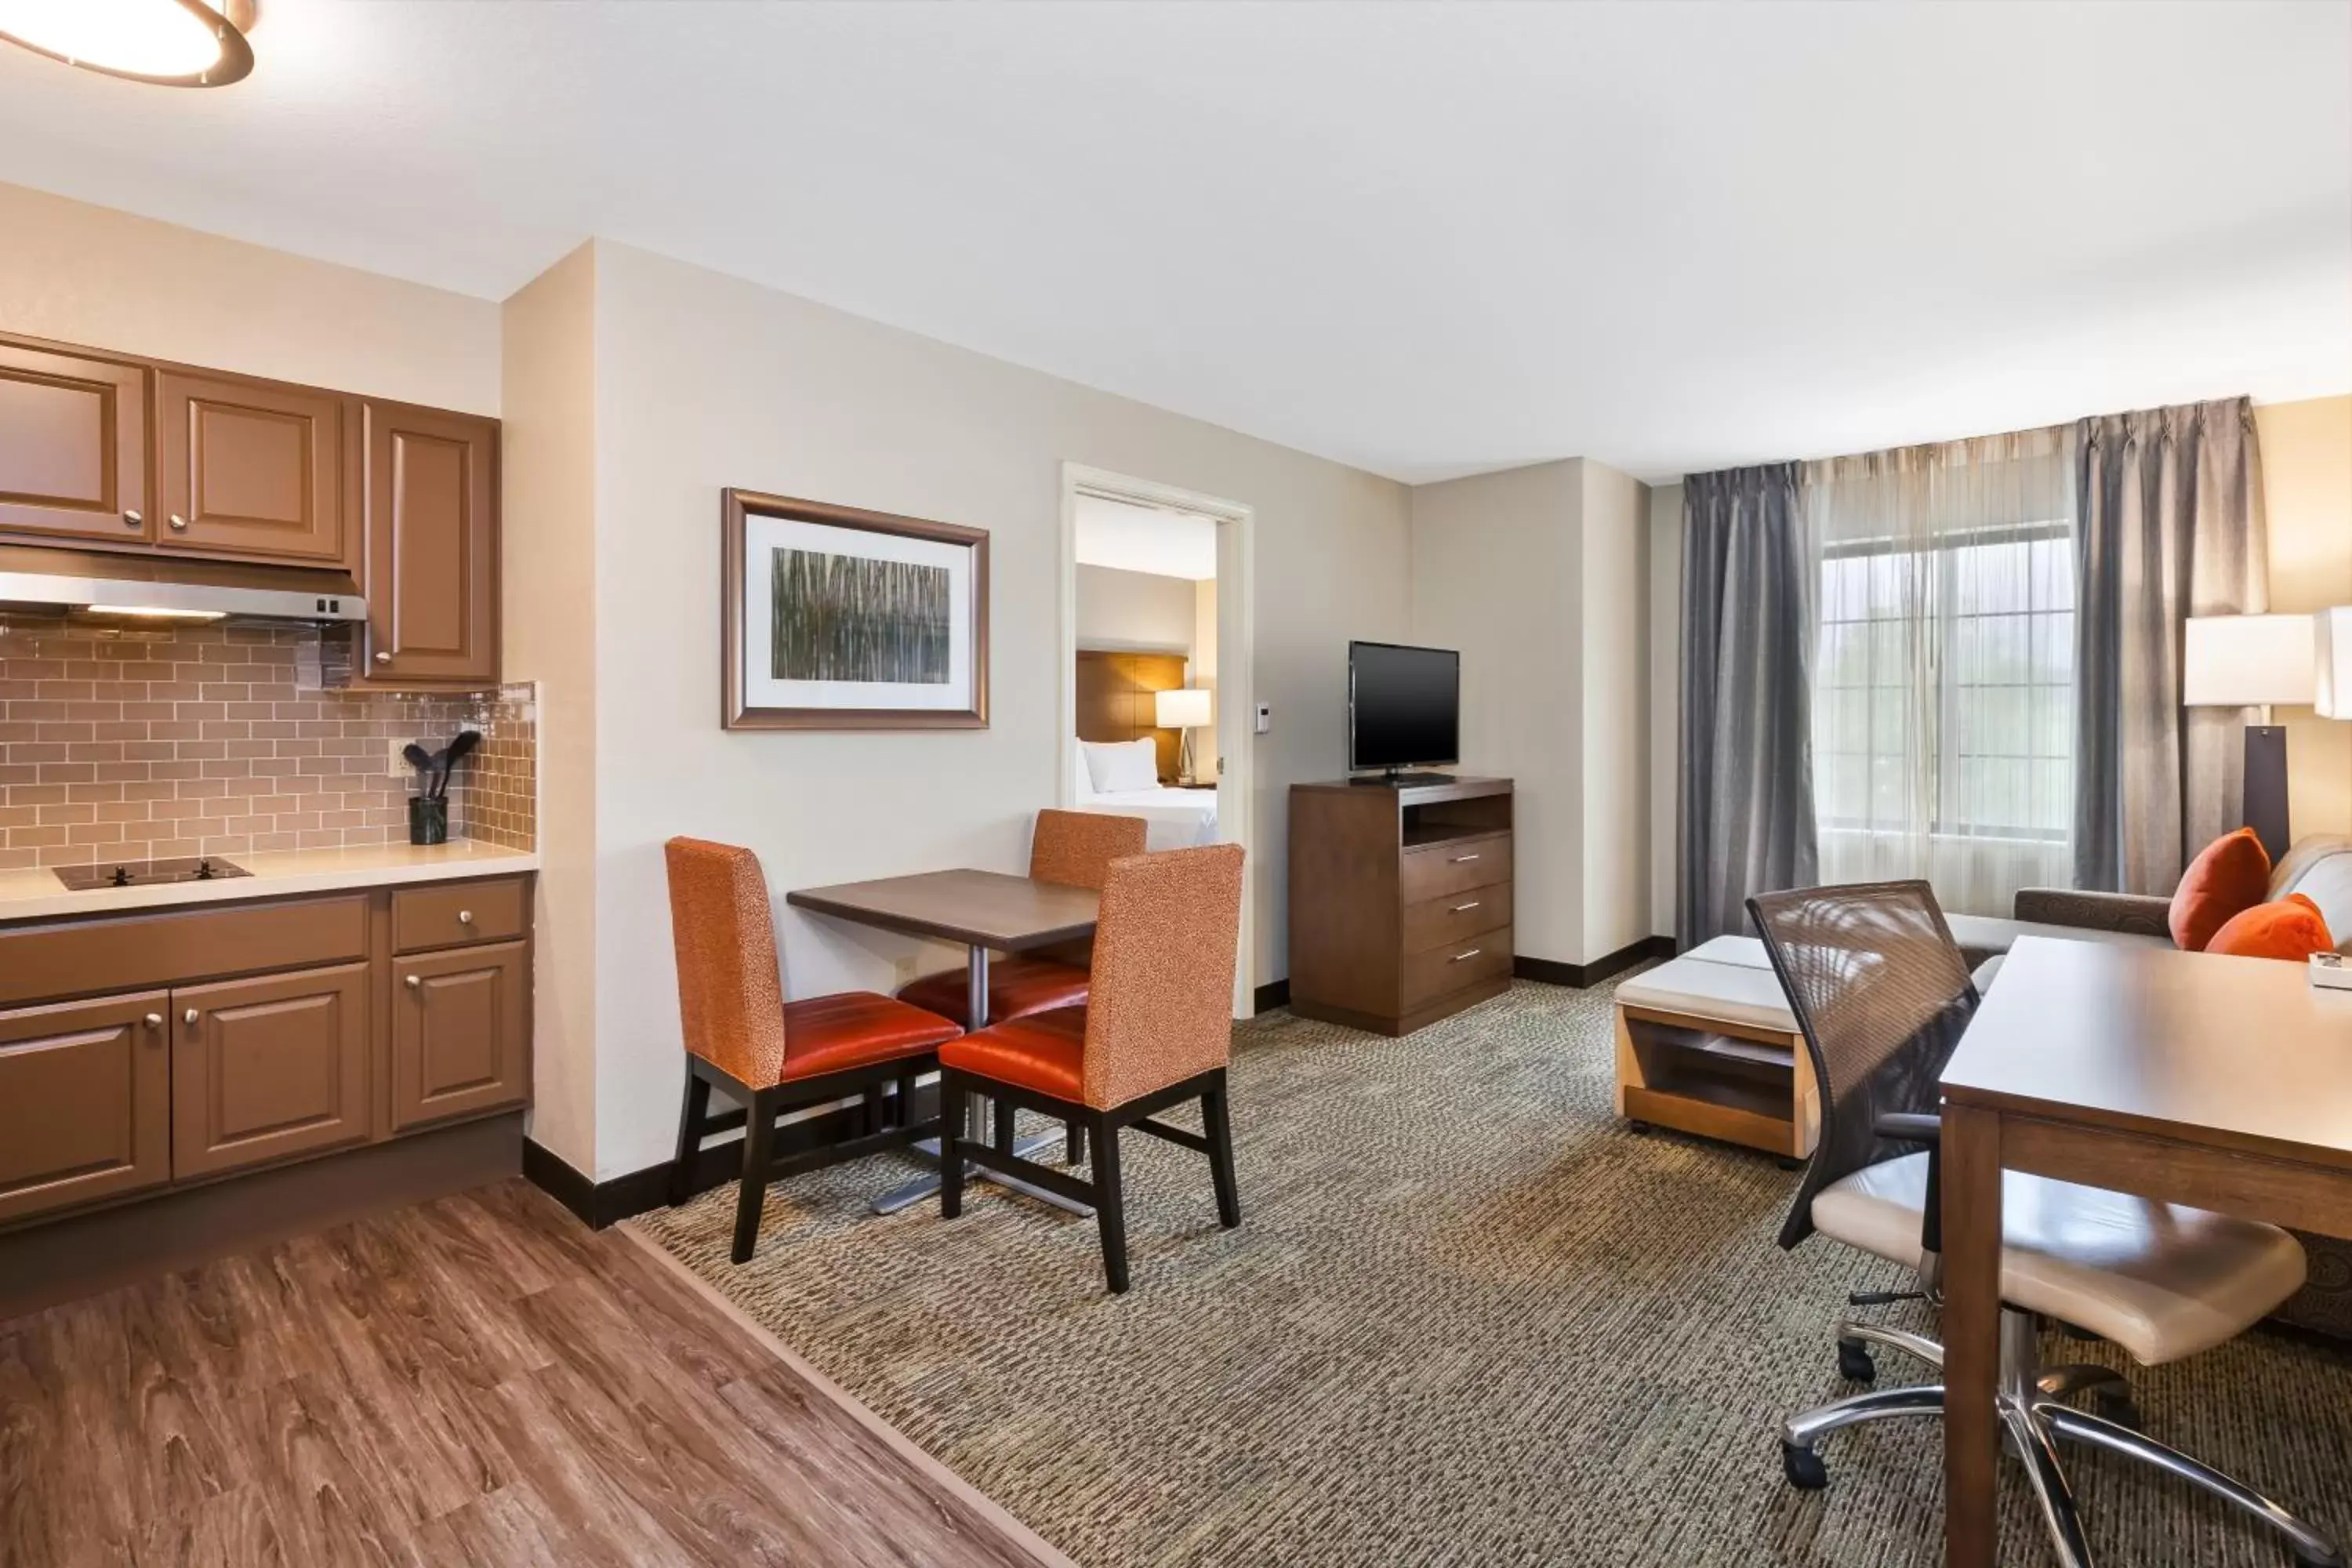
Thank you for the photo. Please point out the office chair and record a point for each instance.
(1882, 995)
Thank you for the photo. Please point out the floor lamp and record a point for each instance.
(2254, 661)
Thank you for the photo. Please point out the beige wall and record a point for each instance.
(703, 381)
(92, 275)
(1613, 530)
(549, 516)
(1135, 610)
(2307, 498)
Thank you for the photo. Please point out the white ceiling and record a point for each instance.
(1145, 539)
(1422, 240)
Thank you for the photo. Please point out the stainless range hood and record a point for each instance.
(166, 585)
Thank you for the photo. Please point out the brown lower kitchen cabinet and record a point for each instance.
(460, 1026)
(85, 1102)
(146, 1054)
(266, 1069)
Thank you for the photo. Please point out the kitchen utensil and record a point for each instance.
(459, 749)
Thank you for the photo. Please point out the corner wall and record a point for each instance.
(704, 380)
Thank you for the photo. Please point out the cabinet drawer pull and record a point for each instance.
(384, 659)
(178, 523)
(154, 1020)
(1461, 859)
(465, 917)
(189, 1017)
(1460, 956)
(415, 983)
(131, 519)
(1460, 909)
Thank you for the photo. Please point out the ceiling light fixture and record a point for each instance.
(171, 43)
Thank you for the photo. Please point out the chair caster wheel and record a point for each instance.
(2116, 1404)
(1787, 1162)
(1854, 1363)
(1638, 1128)
(1803, 1467)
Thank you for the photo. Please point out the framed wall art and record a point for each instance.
(835, 618)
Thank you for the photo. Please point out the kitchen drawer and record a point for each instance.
(1436, 870)
(1455, 918)
(86, 957)
(450, 914)
(1425, 976)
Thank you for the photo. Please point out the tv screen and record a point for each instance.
(1404, 706)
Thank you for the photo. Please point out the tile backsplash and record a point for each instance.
(136, 744)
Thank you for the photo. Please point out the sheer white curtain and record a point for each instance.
(1943, 687)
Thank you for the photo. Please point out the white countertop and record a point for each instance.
(36, 894)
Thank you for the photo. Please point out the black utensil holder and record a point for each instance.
(428, 819)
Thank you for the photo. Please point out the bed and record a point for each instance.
(1178, 819)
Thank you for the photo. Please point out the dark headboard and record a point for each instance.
(1115, 698)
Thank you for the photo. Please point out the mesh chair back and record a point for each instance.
(1881, 994)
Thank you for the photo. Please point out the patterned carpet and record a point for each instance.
(1469, 1319)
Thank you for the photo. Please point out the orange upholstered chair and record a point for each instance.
(1156, 1031)
(771, 1054)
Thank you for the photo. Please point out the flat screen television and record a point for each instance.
(1405, 707)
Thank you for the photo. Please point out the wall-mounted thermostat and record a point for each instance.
(1265, 718)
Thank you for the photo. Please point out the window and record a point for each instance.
(1943, 690)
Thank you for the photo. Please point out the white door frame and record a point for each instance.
(1235, 709)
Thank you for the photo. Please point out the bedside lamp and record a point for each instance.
(1186, 710)
(2254, 661)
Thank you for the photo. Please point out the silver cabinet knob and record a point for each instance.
(154, 1020)
(465, 917)
(178, 523)
(384, 659)
(131, 519)
(190, 1016)
(415, 983)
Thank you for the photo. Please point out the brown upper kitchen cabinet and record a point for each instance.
(85, 1102)
(266, 1069)
(432, 527)
(73, 447)
(250, 468)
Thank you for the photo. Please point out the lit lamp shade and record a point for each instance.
(1183, 710)
(2248, 661)
(2331, 636)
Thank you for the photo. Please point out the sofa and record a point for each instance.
(2319, 867)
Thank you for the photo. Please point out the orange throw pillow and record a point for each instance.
(2292, 929)
(2231, 876)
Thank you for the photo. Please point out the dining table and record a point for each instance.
(2216, 1082)
(985, 912)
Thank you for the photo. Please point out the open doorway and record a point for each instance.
(1156, 713)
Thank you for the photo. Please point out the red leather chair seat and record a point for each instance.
(853, 1028)
(1044, 1051)
(1017, 986)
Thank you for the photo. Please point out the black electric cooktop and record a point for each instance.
(147, 873)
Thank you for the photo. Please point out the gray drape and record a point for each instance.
(1746, 823)
(2169, 525)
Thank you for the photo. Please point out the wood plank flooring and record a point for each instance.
(479, 1380)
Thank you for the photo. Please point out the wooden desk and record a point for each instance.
(986, 912)
(2221, 1083)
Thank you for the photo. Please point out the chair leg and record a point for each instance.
(871, 1118)
(951, 1132)
(1004, 1139)
(1217, 1122)
(759, 1140)
(2309, 1545)
(2052, 1492)
(691, 1115)
(905, 1100)
(1074, 1142)
(1110, 1203)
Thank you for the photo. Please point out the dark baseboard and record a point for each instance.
(1276, 993)
(599, 1203)
(1553, 972)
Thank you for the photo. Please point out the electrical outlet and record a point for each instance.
(395, 766)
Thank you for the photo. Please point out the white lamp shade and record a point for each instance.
(2331, 636)
(1183, 710)
(2247, 661)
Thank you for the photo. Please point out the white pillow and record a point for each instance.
(1080, 777)
(1116, 766)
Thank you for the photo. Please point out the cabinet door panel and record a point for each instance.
(460, 1033)
(268, 1068)
(85, 1092)
(432, 545)
(251, 469)
(73, 447)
